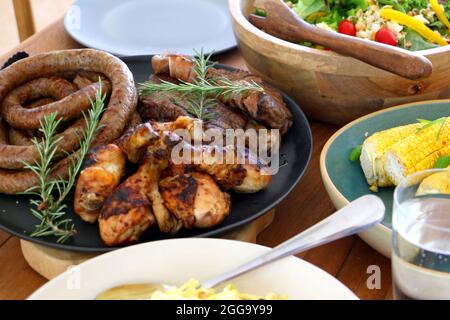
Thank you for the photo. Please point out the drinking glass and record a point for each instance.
(421, 236)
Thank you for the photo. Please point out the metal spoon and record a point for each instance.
(357, 216)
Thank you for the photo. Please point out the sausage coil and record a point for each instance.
(40, 70)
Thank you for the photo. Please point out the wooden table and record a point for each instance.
(347, 259)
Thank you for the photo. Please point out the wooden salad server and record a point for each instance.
(284, 23)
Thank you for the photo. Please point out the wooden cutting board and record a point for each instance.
(50, 262)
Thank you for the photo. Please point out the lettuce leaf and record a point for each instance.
(417, 42)
(305, 8)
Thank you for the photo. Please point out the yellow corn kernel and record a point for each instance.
(418, 151)
(373, 153)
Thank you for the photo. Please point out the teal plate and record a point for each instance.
(345, 181)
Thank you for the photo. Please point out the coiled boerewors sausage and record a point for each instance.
(39, 103)
(122, 102)
(19, 137)
(53, 88)
(3, 131)
(70, 105)
(23, 137)
(14, 156)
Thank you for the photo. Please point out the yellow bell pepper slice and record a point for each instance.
(416, 25)
(439, 12)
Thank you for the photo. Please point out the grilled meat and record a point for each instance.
(266, 107)
(134, 142)
(105, 166)
(168, 107)
(127, 213)
(230, 167)
(153, 166)
(195, 199)
(164, 106)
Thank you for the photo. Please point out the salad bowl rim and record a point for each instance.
(236, 13)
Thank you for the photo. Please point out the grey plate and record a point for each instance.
(140, 27)
(295, 151)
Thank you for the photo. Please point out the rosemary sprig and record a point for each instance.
(51, 193)
(201, 107)
(208, 87)
(201, 93)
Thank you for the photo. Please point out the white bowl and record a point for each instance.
(176, 261)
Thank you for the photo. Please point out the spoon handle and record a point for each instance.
(284, 23)
(358, 216)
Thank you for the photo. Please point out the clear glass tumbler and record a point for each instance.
(421, 236)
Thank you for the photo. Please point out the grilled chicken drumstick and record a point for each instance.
(135, 205)
(105, 166)
(230, 167)
(154, 166)
(127, 213)
(135, 141)
(195, 199)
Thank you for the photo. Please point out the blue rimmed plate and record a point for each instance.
(344, 180)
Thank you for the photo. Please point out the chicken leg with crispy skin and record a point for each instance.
(136, 205)
(230, 167)
(127, 212)
(195, 199)
(104, 168)
(166, 221)
(238, 169)
(135, 141)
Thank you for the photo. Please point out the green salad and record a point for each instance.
(410, 24)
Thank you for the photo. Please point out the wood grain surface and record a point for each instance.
(347, 259)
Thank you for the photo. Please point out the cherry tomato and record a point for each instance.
(384, 35)
(347, 27)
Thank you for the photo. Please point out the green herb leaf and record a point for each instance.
(442, 162)
(51, 192)
(356, 153)
(417, 42)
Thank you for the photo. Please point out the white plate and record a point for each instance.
(176, 261)
(138, 27)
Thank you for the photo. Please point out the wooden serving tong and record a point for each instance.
(284, 23)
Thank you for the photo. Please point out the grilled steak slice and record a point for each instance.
(169, 106)
(266, 107)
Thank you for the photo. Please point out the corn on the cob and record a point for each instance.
(437, 183)
(373, 153)
(418, 151)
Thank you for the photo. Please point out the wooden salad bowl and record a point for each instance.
(328, 86)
